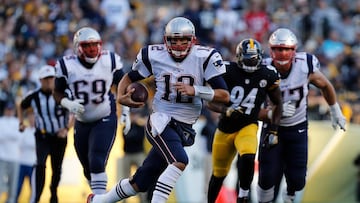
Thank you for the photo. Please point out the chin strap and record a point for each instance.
(91, 60)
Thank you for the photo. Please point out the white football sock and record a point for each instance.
(265, 195)
(165, 184)
(98, 183)
(120, 191)
(289, 198)
(243, 193)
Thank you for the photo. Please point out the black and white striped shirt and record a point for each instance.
(49, 117)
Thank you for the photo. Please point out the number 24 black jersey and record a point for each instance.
(248, 90)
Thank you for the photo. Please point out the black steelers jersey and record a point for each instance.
(248, 90)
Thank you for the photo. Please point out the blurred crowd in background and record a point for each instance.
(37, 32)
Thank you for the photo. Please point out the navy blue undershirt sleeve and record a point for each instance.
(218, 82)
(135, 76)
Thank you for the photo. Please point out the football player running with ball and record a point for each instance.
(89, 76)
(249, 84)
(179, 68)
(289, 157)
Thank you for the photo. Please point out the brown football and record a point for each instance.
(140, 94)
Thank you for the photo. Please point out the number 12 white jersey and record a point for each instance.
(201, 64)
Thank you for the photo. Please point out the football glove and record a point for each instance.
(233, 112)
(337, 118)
(271, 139)
(74, 106)
(125, 119)
(288, 109)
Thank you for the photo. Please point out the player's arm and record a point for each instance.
(216, 91)
(320, 81)
(59, 90)
(20, 113)
(327, 89)
(217, 82)
(221, 93)
(74, 106)
(225, 109)
(22, 107)
(117, 75)
(140, 69)
(118, 71)
(219, 85)
(124, 96)
(276, 100)
(216, 107)
(271, 137)
(265, 114)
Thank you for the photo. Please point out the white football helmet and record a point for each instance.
(87, 44)
(179, 28)
(283, 38)
(249, 55)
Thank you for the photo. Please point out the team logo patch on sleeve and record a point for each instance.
(218, 63)
(135, 62)
(263, 83)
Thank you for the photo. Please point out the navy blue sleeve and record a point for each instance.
(60, 84)
(118, 74)
(135, 76)
(218, 82)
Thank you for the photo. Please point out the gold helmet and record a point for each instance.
(249, 55)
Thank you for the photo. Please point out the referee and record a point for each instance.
(51, 132)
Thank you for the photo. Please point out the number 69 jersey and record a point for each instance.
(249, 91)
(92, 85)
(201, 64)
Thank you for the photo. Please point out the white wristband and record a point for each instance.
(125, 109)
(269, 114)
(204, 92)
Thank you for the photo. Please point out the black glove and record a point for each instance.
(271, 138)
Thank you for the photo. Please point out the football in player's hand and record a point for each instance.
(140, 94)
